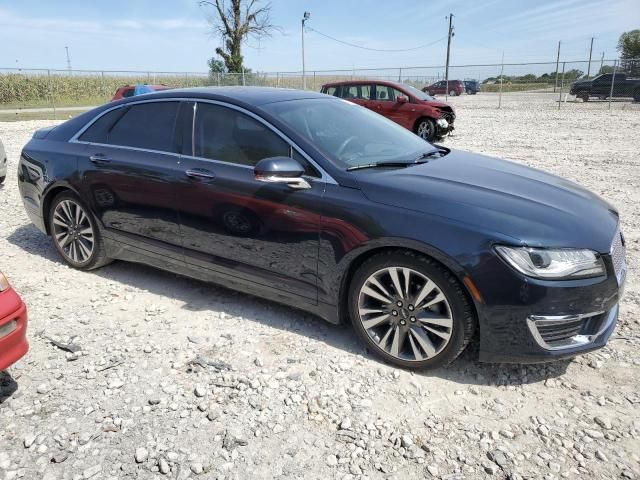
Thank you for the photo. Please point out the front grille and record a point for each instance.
(618, 254)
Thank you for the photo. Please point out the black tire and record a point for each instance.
(426, 129)
(98, 256)
(461, 309)
(636, 98)
(453, 93)
(2, 179)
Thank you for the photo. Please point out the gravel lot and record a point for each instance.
(176, 378)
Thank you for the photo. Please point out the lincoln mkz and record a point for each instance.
(312, 201)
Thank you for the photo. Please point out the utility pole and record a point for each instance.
(590, 52)
(305, 17)
(557, 66)
(446, 72)
(68, 59)
(601, 61)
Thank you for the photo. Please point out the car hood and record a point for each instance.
(582, 82)
(532, 207)
(436, 103)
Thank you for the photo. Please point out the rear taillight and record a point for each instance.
(4, 283)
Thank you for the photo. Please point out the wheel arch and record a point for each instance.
(48, 196)
(422, 116)
(425, 250)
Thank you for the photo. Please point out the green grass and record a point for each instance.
(49, 115)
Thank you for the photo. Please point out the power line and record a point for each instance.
(374, 49)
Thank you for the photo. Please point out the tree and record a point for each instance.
(236, 21)
(216, 66)
(629, 44)
(605, 69)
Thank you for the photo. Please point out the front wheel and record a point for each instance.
(2, 179)
(426, 129)
(452, 93)
(410, 311)
(75, 233)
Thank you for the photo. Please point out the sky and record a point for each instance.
(175, 35)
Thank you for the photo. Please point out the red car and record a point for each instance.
(13, 325)
(456, 87)
(402, 103)
(129, 91)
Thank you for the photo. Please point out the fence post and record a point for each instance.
(218, 75)
(243, 77)
(278, 79)
(314, 81)
(104, 90)
(53, 103)
(501, 81)
(400, 75)
(613, 80)
(561, 86)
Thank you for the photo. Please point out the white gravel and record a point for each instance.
(179, 378)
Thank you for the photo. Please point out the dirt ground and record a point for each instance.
(177, 378)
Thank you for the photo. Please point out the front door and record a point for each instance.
(128, 172)
(234, 225)
(386, 104)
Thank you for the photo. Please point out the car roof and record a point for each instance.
(360, 82)
(247, 95)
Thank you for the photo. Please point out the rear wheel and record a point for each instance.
(75, 233)
(2, 179)
(409, 310)
(452, 93)
(426, 129)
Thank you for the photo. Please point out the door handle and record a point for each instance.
(199, 173)
(99, 159)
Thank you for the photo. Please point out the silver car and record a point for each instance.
(3, 163)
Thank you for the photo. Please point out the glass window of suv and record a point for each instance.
(359, 92)
(331, 91)
(146, 125)
(383, 93)
(225, 134)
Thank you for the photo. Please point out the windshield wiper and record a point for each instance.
(417, 161)
(385, 165)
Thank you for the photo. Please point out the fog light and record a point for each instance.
(7, 328)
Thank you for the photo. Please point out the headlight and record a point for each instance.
(4, 283)
(553, 264)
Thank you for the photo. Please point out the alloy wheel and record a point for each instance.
(405, 314)
(73, 232)
(425, 130)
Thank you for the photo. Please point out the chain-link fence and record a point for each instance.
(42, 93)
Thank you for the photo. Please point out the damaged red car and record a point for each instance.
(13, 325)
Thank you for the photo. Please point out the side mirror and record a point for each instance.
(401, 99)
(281, 170)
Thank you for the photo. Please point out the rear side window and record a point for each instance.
(146, 125)
(128, 92)
(331, 91)
(360, 92)
(230, 136)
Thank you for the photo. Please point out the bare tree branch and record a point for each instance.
(235, 22)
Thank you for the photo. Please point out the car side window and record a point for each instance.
(331, 91)
(146, 125)
(128, 92)
(359, 92)
(227, 135)
(98, 132)
(383, 93)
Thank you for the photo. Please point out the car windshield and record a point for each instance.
(350, 135)
(420, 95)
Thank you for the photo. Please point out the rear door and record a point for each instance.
(128, 174)
(357, 93)
(235, 225)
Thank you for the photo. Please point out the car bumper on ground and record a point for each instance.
(13, 328)
(443, 126)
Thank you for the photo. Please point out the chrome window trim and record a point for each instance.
(324, 176)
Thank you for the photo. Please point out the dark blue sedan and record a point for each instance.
(312, 201)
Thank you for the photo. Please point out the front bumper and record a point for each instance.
(444, 126)
(524, 320)
(13, 329)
